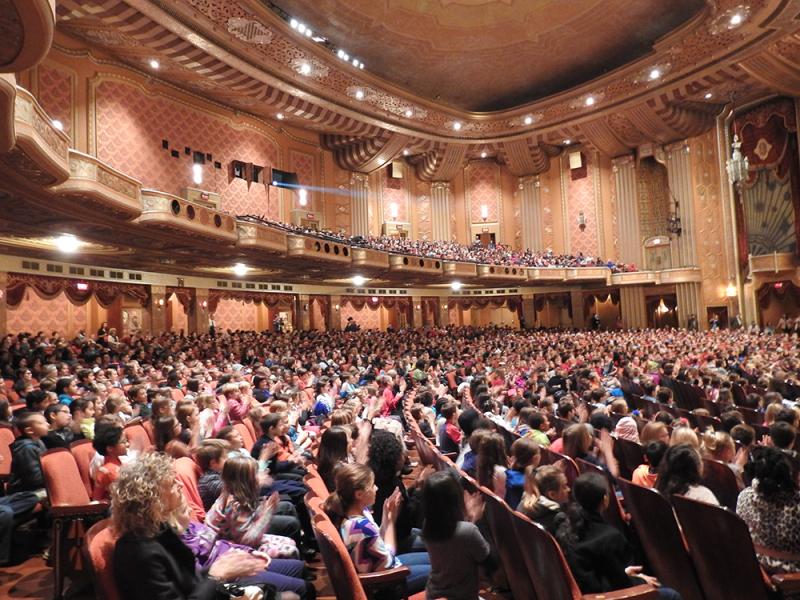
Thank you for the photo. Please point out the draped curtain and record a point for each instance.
(359, 302)
(602, 298)
(540, 299)
(512, 302)
(270, 300)
(48, 288)
(783, 290)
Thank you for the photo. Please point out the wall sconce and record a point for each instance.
(335, 307)
(674, 221)
(581, 221)
(419, 307)
(161, 302)
(302, 196)
(204, 304)
(374, 299)
(730, 291)
(394, 211)
(484, 212)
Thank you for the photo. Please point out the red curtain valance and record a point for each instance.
(602, 297)
(376, 302)
(271, 300)
(48, 288)
(512, 302)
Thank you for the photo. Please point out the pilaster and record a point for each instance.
(576, 299)
(531, 212)
(633, 306)
(158, 309)
(440, 210)
(528, 311)
(679, 174)
(630, 237)
(359, 200)
(690, 302)
(3, 303)
(197, 318)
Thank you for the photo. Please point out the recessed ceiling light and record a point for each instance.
(483, 154)
(293, 23)
(309, 33)
(528, 120)
(301, 27)
(305, 68)
(456, 285)
(67, 243)
(240, 269)
(340, 53)
(58, 124)
(359, 280)
(409, 113)
(154, 64)
(355, 62)
(708, 95)
(405, 152)
(567, 142)
(654, 74)
(360, 65)
(457, 126)
(359, 94)
(346, 56)
(736, 19)
(589, 101)
(280, 116)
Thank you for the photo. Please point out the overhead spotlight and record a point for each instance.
(654, 74)
(589, 101)
(302, 196)
(154, 64)
(409, 113)
(457, 126)
(456, 285)
(305, 69)
(309, 33)
(280, 116)
(405, 152)
(197, 174)
(528, 120)
(293, 24)
(483, 154)
(359, 280)
(355, 62)
(708, 95)
(340, 53)
(736, 19)
(567, 142)
(359, 94)
(240, 269)
(301, 27)
(360, 65)
(58, 124)
(67, 243)
(346, 56)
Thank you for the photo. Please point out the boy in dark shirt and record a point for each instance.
(61, 435)
(26, 466)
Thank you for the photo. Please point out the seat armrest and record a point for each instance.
(787, 583)
(451, 455)
(639, 592)
(75, 512)
(387, 577)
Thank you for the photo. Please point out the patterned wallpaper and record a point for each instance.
(581, 197)
(179, 318)
(55, 95)
(550, 198)
(394, 192)
(483, 189)
(132, 124)
(302, 164)
(366, 317)
(317, 318)
(35, 314)
(422, 208)
(654, 201)
(234, 314)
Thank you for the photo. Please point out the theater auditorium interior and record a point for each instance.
(391, 299)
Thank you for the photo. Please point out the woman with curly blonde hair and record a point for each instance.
(150, 559)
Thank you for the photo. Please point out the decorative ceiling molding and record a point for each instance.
(365, 155)
(26, 32)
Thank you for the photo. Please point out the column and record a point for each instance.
(359, 199)
(335, 313)
(158, 309)
(690, 302)
(197, 318)
(444, 313)
(633, 306)
(440, 210)
(302, 312)
(3, 303)
(416, 312)
(528, 311)
(679, 174)
(531, 213)
(576, 299)
(630, 237)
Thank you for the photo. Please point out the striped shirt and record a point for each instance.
(362, 536)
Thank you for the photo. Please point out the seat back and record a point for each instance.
(341, 571)
(62, 479)
(84, 452)
(661, 539)
(316, 484)
(563, 462)
(613, 514)
(248, 422)
(137, 436)
(6, 439)
(629, 455)
(498, 514)
(313, 504)
(721, 549)
(719, 478)
(249, 441)
(99, 549)
(187, 472)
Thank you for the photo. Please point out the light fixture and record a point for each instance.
(730, 291)
(589, 101)
(81, 286)
(361, 66)
(419, 307)
(662, 308)
(58, 124)
(204, 304)
(674, 226)
(336, 307)
(301, 27)
(154, 64)
(309, 33)
(340, 53)
(359, 94)
(359, 280)
(302, 196)
(374, 299)
(240, 269)
(484, 212)
(345, 56)
(409, 113)
(394, 210)
(161, 302)
(197, 173)
(708, 95)
(280, 116)
(406, 152)
(654, 74)
(355, 62)
(305, 69)
(737, 165)
(455, 286)
(293, 23)
(457, 126)
(483, 154)
(67, 243)
(581, 221)
(736, 19)
(567, 142)
(528, 120)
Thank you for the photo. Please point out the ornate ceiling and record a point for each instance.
(578, 70)
(489, 55)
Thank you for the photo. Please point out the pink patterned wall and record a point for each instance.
(179, 318)
(366, 317)
(132, 124)
(35, 314)
(317, 318)
(422, 207)
(394, 192)
(234, 314)
(581, 197)
(483, 189)
(302, 164)
(55, 95)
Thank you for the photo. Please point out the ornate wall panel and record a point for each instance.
(654, 200)
(483, 189)
(581, 198)
(393, 191)
(302, 163)
(235, 314)
(422, 210)
(366, 317)
(130, 127)
(55, 94)
(36, 314)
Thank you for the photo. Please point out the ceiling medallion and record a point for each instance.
(249, 30)
(729, 19)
